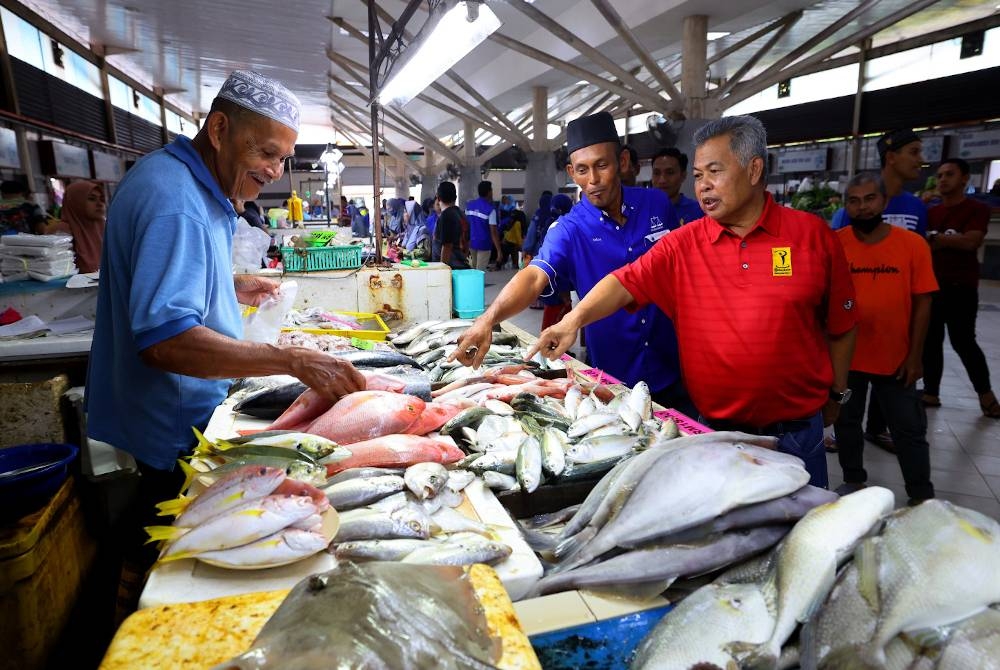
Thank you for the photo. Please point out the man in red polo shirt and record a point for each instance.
(760, 294)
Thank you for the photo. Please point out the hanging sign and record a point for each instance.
(107, 167)
(59, 159)
(803, 161)
(984, 144)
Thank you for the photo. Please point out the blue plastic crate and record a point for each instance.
(468, 291)
(602, 645)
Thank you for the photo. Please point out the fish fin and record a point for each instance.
(866, 558)
(641, 591)
(537, 540)
(204, 444)
(251, 512)
(927, 638)
(752, 656)
(223, 445)
(574, 543)
(174, 507)
(189, 474)
(178, 556)
(808, 651)
(161, 533)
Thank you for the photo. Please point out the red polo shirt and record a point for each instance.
(751, 314)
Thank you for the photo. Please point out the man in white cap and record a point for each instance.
(168, 328)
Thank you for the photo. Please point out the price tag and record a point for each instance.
(359, 343)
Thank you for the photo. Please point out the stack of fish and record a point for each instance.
(328, 343)
(409, 516)
(431, 343)
(531, 439)
(301, 456)
(921, 593)
(319, 318)
(254, 516)
(682, 507)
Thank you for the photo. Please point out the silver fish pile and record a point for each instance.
(531, 440)
(683, 507)
(409, 516)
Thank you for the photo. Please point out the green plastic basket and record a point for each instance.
(320, 238)
(320, 258)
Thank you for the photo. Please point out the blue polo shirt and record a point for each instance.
(166, 268)
(904, 211)
(687, 209)
(582, 248)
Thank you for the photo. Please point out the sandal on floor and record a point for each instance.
(930, 400)
(992, 410)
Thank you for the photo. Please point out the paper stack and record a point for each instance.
(41, 257)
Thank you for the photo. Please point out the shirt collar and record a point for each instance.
(768, 222)
(183, 150)
(628, 205)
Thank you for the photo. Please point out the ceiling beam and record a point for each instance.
(763, 81)
(749, 39)
(575, 70)
(737, 76)
(811, 43)
(390, 148)
(495, 151)
(627, 80)
(616, 22)
(472, 112)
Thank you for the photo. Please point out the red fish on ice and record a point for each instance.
(396, 451)
(366, 415)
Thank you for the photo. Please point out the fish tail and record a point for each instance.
(204, 444)
(178, 556)
(189, 474)
(752, 657)
(173, 507)
(161, 533)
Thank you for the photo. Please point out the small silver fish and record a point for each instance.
(425, 480)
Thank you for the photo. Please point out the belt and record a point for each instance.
(777, 428)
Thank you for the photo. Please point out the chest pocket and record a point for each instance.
(791, 273)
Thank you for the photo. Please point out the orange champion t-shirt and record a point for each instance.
(886, 276)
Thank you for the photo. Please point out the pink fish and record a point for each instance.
(293, 487)
(308, 407)
(366, 415)
(396, 451)
(376, 381)
(435, 415)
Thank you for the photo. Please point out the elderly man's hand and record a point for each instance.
(253, 290)
(331, 377)
(473, 344)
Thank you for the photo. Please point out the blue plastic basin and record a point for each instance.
(468, 290)
(24, 493)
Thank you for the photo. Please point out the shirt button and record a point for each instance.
(630, 248)
(642, 321)
(743, 245)
(645, 344)
(746, 266)
(618, 227)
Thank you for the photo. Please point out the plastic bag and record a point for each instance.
(264, 323)
(250, 247)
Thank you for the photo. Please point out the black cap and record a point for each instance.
(588, 130)
(894, 140)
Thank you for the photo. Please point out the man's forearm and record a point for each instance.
(841, 353)
(965, 242)
(606, 298)
(521, 291)
(496, 238)
(920, 316)
(202, 352)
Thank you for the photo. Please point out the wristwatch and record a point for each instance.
(840, 398)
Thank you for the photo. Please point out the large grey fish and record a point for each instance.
(362, 491)
(700, 631)
(376, 615)
(805, 565)
(464, 551)
(655, 567)
(934, 564)
(685, 487)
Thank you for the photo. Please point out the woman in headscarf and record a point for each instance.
(83, 212)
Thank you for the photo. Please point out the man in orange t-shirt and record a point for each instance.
(894, 279)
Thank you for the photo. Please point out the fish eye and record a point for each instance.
(415, 525)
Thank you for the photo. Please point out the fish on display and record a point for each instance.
(680, 488)
(396, 451)
(425, 480)
(380, 550)
(270, 402)
(651, 569)
(362, 491)
(284, 546)
(365, 524)
(366, 415)
(376, 359)
(318, 448)
(700, 631)
(243, 524)
(464, 551)
(246, 483)
(805, 565)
